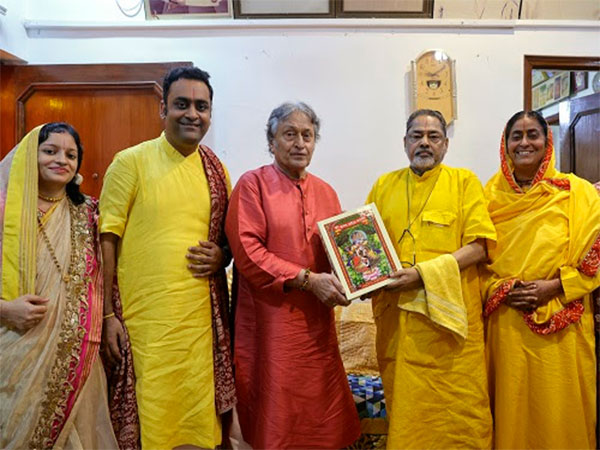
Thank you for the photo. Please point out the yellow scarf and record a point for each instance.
(441, 300)
(19, 209)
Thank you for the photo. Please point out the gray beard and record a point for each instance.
(421, 164)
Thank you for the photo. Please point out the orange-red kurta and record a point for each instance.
(291, 385)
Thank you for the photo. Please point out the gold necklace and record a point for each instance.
(51, 199)
(66, 277)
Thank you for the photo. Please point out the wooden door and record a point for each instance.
(580, 137)
(580, 153)
(112, 106)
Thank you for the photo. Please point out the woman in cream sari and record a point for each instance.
(52, 385)
(543, 269)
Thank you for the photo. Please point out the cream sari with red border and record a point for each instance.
(52, 386)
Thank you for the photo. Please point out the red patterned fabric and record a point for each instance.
(122, 400)
(497, 297)
(223, 368)
(591, 263)
(561, 183)
(570, 314)
(562, 319)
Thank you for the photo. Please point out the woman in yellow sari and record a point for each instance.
(538, 284)
(52, 384)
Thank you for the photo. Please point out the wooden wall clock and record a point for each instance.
(434, 83)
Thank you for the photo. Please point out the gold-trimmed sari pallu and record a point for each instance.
(542, 363)
(52, 387)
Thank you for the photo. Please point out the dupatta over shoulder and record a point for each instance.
(562, 205)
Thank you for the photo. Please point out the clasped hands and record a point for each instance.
(527, 296)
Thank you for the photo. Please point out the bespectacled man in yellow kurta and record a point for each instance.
(162, 215)
(429, 320)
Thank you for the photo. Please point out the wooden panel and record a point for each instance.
(580, 131)
(7, 108)
(585, 132)
(9, 58)
(107, 117)
(112, 106)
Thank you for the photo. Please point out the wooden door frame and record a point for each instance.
(567, 155)
(531, 62)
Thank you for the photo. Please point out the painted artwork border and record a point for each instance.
(238, 14)
(426, 12)
(336, 260)
(179, 16)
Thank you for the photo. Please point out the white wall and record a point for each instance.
(355, 78)
(13, 38)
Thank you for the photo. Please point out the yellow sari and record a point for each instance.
(542, 364)
(52, 385)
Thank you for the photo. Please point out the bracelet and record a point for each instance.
(304, 284)
(108, 316)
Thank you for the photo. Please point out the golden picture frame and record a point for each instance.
(270, 9)
(187, 9)
(414, 9)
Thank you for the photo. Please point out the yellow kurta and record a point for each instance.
(158, 202)
(543, 387)
(435, 385)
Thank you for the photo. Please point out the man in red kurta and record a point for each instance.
(292, 388)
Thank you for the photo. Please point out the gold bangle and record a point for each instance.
(108, 316)
(304, 284)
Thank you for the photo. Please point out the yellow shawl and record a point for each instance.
(441, 298)
(18, 208)
(550, 230)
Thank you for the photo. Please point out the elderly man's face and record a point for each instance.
(425, 144)
(293, 144)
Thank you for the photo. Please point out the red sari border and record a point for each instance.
(561, 183)
(571, 313)
(77, 350)
(591, 262)
(496, 299)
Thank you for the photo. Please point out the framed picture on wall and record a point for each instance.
(551, 91)
(270, 9)
(385, 8)
(579, 81)
(187, 9)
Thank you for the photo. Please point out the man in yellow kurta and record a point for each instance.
(429, 320)
(156, 230)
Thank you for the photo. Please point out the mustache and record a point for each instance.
(423, 152)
